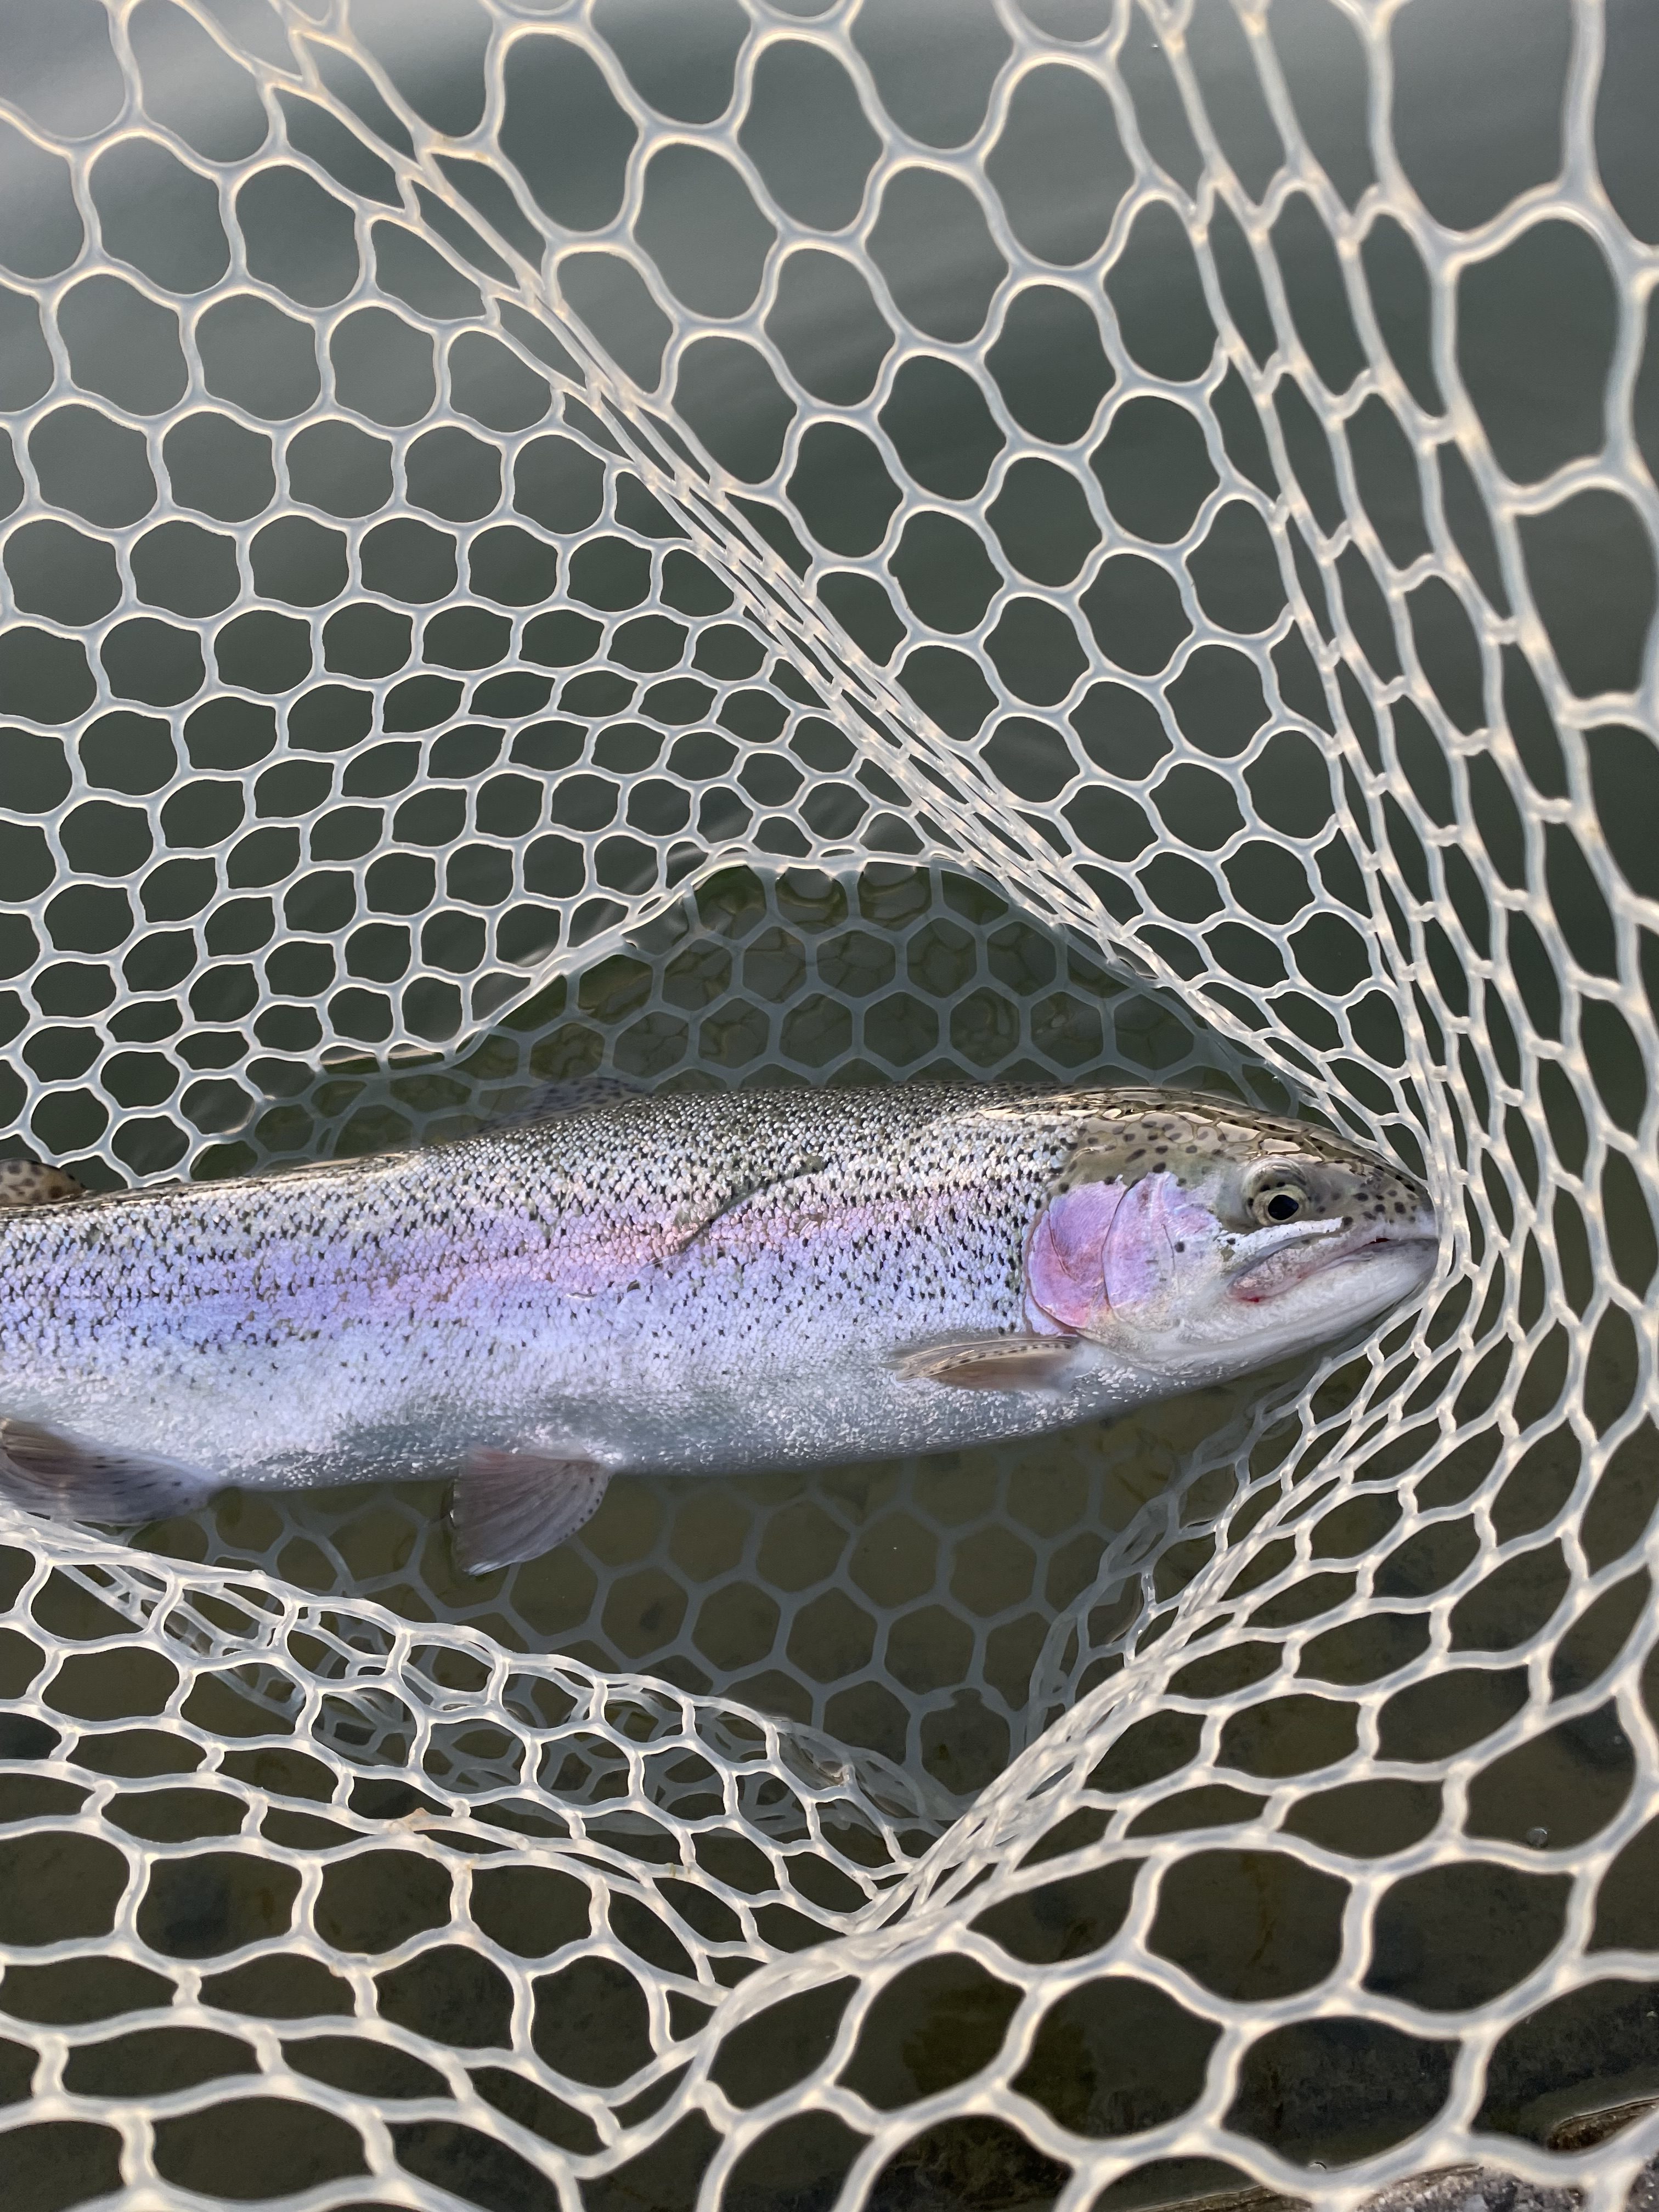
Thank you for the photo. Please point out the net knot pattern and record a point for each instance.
(753, 541)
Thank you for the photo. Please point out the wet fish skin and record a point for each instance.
(693, 1283)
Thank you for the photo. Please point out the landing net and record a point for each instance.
(719, 544)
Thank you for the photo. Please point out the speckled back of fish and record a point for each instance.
(702, 1282)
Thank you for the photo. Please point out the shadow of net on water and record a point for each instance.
(730, 544)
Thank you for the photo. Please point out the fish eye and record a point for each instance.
(1278, 1203)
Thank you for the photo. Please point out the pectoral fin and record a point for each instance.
(513, 1505)
(45, 1471)
(993, 1362)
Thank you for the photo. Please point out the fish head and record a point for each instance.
(1199, 1239)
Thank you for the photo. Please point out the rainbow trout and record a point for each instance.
(693, 1284)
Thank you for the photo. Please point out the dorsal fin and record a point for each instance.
(556, 1101)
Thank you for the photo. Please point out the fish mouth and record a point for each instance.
(1277, 1274)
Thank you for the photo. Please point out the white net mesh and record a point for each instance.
(798, 543)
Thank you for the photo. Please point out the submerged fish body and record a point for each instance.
(694, 1283)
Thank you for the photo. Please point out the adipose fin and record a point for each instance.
(31, 1183)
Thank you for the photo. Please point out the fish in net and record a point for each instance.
(735, 543)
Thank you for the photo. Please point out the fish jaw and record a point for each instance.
(1236, 1309)
(1262, 1299)
(1315, 1291)
(1182, 1260)
(1385, 1251)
